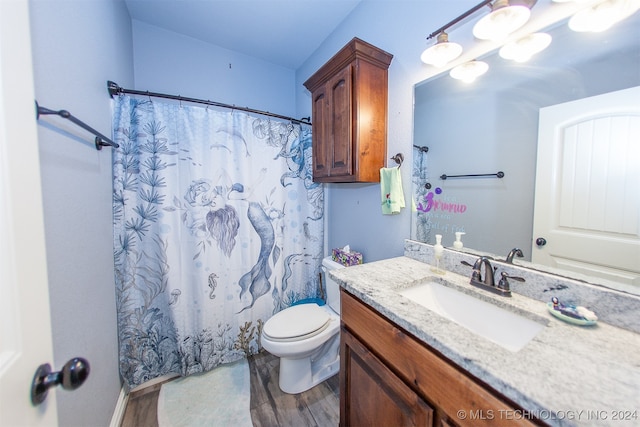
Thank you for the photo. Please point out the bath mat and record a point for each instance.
(216, 398)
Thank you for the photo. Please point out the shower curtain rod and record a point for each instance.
(115, 89)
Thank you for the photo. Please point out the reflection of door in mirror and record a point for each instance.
(587, 195)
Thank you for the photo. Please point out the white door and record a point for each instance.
(587, 199)
(25, 329)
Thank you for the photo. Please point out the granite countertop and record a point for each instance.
(566, 375)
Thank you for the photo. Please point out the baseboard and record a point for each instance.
(118, 412)
(153, 382)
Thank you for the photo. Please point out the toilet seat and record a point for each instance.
(296, 323)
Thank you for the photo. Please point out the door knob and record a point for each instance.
(73, 375)
(541, 241)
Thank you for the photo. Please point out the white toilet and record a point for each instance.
(306, 338)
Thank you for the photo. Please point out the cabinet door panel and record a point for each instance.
(341, 148)
(320, 134)
(387, 400)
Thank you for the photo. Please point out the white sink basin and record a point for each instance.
(505, 328)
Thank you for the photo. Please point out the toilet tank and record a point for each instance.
(333, 289)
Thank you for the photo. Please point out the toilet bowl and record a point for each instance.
(306, 339)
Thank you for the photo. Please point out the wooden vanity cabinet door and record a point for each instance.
(373, 394)
(340, 146)
(321, 133)
(446, 387)
(444, 421)
(332, 127)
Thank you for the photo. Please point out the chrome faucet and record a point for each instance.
(488, 283)
(514, 252)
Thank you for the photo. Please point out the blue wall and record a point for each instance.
(77, 46)
(171, 63)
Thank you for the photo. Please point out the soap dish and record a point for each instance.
(571, 314)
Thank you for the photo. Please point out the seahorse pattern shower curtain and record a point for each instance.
(217, 226)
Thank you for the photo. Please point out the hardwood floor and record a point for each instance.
(319, 406)
(142, 408)
(270, 407)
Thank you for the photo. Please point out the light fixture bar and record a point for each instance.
(459, 18)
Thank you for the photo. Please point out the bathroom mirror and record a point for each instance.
(491, 126)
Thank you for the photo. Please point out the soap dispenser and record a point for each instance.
(438, 250)
(457, 244)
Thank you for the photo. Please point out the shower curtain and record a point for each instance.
(217, 226)
(420, 217)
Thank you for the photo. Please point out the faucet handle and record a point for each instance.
(504, 282)
(475, 274)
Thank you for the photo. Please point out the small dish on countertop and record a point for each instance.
(576, 315)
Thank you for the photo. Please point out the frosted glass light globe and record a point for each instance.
(502, 21)
(442, 52)
(603, 16)
(523, 49)
(469, 71)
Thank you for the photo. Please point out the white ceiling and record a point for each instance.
(283, 32)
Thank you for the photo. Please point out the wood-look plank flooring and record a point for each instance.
(270, 407)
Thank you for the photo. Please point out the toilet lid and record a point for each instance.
(296, 321)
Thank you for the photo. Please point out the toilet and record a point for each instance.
(306, 338)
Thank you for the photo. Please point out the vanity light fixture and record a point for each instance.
(505, 17)
(469, 71)
(502, 21)
(442, 52)
(602, 16)
(523, 49)
(445, 51)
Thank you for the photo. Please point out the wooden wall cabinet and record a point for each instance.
(388, 377)
(349, 113)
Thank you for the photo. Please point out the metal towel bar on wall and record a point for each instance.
(100, 141)
(497, 175)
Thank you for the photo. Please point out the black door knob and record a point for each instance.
(541, 241)
(73, 375)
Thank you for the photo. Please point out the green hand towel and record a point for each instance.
(391, 190)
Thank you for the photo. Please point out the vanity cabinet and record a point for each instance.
(349, 114)
(388, 377)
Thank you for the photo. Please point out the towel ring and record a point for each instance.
(398, 158)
